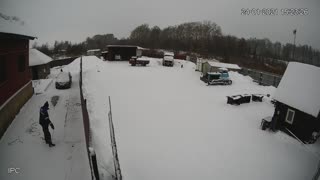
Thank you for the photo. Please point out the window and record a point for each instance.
(290, 116)
(3, 70)
(21, 63)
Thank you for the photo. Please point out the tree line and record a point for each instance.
(207, 39)
(203, 38)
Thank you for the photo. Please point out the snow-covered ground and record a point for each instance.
(22, 146)
(170, 125)
(41, 85)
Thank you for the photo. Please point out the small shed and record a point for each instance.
(297, 104)
(123, 52)
(212, 66)
(39, 64)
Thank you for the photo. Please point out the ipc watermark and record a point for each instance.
(14, 170)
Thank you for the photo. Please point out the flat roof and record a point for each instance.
(93, 50)
(223, 65)
(138, 47)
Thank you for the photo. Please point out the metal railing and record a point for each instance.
(118, 175)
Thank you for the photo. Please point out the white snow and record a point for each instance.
(300, 88)
(93, 50)
(12, 25)
(213, 73)
(63, 77)
(168, 58)
(223, 65)
(22, 146)
(168, 53)
(38, 58)
(138, 47)
(170, 125)
(223, 69)
(41, 85)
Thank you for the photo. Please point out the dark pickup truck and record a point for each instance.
(138, 61)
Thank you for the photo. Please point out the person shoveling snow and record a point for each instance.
(44, 121)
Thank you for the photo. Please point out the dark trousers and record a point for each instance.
(47, 135)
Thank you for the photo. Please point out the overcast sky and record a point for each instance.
(74, 20)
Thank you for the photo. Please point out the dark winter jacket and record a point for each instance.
(44, 116)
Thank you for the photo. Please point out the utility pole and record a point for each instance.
(294, 42)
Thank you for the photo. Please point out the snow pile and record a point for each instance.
(300, 88)
(170, 125)
(38, 58)
(41, 85)
(55, 71)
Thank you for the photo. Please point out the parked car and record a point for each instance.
(138, 61)
(64, 80)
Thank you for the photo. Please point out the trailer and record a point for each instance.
(138, 61)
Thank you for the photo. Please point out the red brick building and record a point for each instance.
(15, 77)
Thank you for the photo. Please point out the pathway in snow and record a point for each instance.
(22, 146)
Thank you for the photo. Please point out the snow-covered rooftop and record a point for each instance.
(223, 69)
(300, 88)
(141, 48)
(213, 73)
(223, 65)
(13, 25)
(37, 58)
(93, 50)
(168, 53)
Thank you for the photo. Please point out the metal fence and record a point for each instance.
(262, 78)
(118, 175)
(61, 62)
(86, 123)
